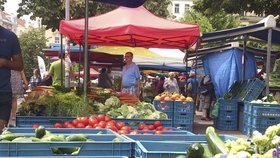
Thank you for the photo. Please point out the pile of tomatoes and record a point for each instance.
(102, 121)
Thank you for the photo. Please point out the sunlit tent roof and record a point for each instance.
(131, 27)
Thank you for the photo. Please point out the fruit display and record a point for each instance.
(172, 97)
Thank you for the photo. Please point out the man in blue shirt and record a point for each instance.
(130, 76)
(10, 58)
(192, 87)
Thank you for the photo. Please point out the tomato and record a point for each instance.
(102, 124)
(80, 125)
(83, 120)
(89, 126)
(126, 128)
(93, 121)
(57, 125)
(120, 124)
(111, 123)
(107, 118)
(112, 127)
(70, 125)
(101, 117)
(151, 127)
(75, 122)
(141, 126)
(145, 128)
(158, 132)
(35, 125)
(157, 123)
(65, 124)
(93, 116)
(159, 128)
(123, 132)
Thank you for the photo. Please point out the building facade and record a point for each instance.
(179, 7)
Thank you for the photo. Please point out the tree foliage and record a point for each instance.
(198, 18)
(32, 42)
(51, 12)
(259, 7)
(218, 21)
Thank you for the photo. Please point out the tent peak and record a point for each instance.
(269, 21)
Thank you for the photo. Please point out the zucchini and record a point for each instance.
(215, 143)
(196, 150)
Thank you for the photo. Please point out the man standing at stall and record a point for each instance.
(10, 59)
(130, 76)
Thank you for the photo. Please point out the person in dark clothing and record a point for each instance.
(159, 86)
(104, 79)
(47, 80)
(206, 97)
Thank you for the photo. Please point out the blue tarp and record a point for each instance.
(226, 67)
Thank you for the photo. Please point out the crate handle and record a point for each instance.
(66, 148)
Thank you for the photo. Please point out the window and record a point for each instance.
(187, 7)
(176, 9)
(56, 40)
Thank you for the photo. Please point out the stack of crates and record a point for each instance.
(181, 113)
(228, 115)
(259, 117)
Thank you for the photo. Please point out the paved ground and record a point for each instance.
(200, 127)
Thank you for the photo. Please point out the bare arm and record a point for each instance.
(23, 77)
(15, 64)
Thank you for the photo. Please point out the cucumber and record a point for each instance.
(207, 153)
(76, 137)
(215, 143)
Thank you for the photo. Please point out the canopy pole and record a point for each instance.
(86, 66)
(244, 58)
(268, 57)
(80, 60)
(67, 48)
(61, 59)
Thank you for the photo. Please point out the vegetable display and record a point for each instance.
(265, 145)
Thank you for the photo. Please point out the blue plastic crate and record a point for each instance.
(263, 122)
(47, 121)
(168, 149)
(255, 90)
(172, 131)
(187, 127)
(183, 107)
(135, 121)
(227, 125)
(64, 130)
(183, 118)
(247, 118)
(175, 138)
(246, 129)
(266, 111)
(228, 104)
(248, 107)
(160, 150)
(164, 106)
(228, 114)
(102, 146)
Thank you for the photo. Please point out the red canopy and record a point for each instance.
(93, 73)
(131, 27)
